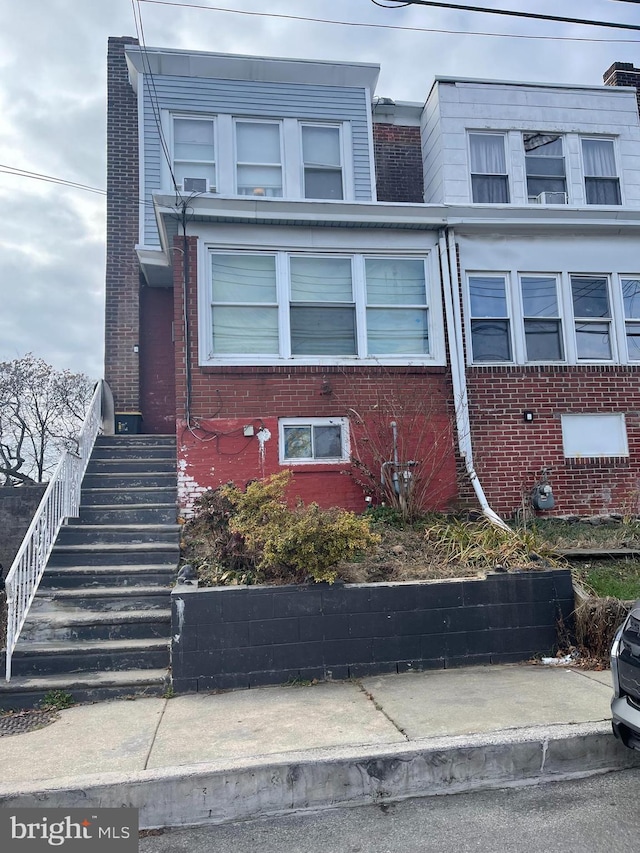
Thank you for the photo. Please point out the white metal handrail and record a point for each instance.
(61, 500)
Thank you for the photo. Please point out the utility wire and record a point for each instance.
(38, 176)
(536, 16)
(367, 25)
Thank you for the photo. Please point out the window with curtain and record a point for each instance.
(602, 185)
(490, 324)
(592, 317)
(194, 165)
(322, 309)
(631, 302)
(322, 161)
(258, 158)
(244, 304)
(542, 323)
(489, 180)
(397, 314)
(544, 162)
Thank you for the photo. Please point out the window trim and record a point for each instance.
(505, 148)
(214, 162)
(206, 357)
(345, 440)
(616, 161)
(616, 319)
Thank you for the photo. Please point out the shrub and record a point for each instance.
(298, 542)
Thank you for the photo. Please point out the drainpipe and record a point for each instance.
(449, 266)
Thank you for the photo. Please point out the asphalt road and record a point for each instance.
(596, 815)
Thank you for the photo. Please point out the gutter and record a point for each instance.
(449, 266)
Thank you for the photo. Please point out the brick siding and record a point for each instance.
(623, 74)
(122, 269)
(225, 399)
(398, 158)
(509, 453)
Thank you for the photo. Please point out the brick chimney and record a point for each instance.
(123, 274)
(623, 74)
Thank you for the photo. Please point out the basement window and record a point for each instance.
(589, 436)
(304, 440)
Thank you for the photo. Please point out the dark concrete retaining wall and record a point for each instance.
(226, 637)
(17, 506)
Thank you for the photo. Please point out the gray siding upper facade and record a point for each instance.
(166, 95)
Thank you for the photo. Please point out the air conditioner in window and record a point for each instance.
(549, 198)
(197, 185)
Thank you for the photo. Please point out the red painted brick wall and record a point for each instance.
(398, 158)
(509, 453)
(122, 270)
(157, 361)
(213, 450)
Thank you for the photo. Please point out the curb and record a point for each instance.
(222, 792)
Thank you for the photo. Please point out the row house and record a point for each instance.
(304, 275)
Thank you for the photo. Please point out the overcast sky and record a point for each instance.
(52, 116)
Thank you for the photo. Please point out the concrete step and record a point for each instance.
(130, 440)
(109, 534)
(101, 599)
(29, 691)
(88, 625)
(132, 452)
(130, 480)
(166, 495)
(132, 466)
(114, 554)
(59, 657)
(86, 577)
(129, 514)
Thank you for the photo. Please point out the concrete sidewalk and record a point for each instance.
(219, 757)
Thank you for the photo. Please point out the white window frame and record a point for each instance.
(236, 163)
(566, 316)
(435, 356)
(214, 162)
(616, 159)
(534, 199)
(501, 133)
(601, 435)
(339, 126)
(291, 159)
(345, 442)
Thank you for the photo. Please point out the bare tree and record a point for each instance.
(401, 443)
(41, 410)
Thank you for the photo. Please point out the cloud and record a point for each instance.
(52, 119)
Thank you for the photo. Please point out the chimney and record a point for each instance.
(623, 74)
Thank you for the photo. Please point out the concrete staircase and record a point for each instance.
(99, 626)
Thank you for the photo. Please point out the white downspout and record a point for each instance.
(449, 266)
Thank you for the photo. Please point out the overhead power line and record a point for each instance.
(38, 176)
(368, 25)
(536, 16)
